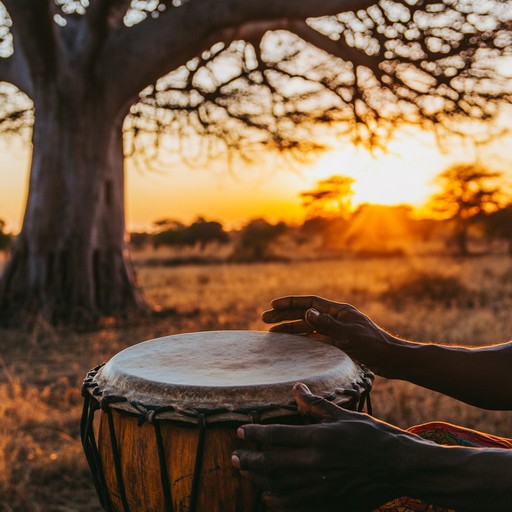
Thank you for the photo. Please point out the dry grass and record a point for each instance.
(430, 298)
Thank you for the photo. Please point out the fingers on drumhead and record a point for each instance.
(299, 327)
(279, 315)
(301, 302)
(322, 321)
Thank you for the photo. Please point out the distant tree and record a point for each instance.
(200, 232)
(173, 234)
(256, 238)
(498, 225)
(331, 196)
(6, 239)
(166, 223)
(204, 232)
(138, 240)
(467, 190)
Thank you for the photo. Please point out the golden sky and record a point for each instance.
(268, 188)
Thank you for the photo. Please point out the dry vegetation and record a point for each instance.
(465, 301)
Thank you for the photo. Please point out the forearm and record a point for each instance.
(478, 376)
(464, 479)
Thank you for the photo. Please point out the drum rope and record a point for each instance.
(164, 474)
(91, 405)
(117, 461)
(359, 397)
(368, 377)
(196, 480)
(91, 451)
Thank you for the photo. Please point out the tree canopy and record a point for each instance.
(467, 190)
(266, 75)
(332, 195)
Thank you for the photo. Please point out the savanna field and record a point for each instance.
(424, 298)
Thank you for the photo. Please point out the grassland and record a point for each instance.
(461, 301)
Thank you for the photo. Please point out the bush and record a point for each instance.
(255, 240)
(201, 232)
(430, 287)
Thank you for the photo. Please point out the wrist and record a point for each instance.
(395, 358)
(432, 472)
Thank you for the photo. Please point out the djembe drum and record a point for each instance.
(170, 407)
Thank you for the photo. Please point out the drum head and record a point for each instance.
(233, 370)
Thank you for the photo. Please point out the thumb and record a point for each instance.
(315, 406)
(323, 323)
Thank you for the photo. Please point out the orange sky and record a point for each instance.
(269, 188)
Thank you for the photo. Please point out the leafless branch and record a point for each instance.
(14, 70)
(182, 33)
(33, 33)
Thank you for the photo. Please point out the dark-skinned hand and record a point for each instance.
(349, 461)
(341, 325)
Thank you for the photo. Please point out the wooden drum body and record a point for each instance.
(168, 410)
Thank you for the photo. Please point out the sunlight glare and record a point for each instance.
(401, 175)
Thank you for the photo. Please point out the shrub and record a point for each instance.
(430, 287)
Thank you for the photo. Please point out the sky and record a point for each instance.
(268, 188)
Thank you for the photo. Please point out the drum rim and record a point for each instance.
(147, 372)
(343, 392)
(347, 398)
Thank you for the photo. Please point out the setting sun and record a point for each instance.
(401, 175)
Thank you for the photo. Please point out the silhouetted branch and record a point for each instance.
(33, 33)
(14, 70)
(182, 33)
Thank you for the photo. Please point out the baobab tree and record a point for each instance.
(243, 74)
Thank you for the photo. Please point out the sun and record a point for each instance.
(403, 174)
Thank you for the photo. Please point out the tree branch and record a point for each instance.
(15, 70)
(337, 48)
(136, 57)
(107, 12)
(33, 32)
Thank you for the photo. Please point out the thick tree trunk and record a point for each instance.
(70, 262)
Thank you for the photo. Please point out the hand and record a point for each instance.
(341, 325)
(350, 461)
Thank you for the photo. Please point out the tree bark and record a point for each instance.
(70, 262)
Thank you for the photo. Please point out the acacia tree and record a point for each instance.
(244, 73)
(332, 195)
(467, 192)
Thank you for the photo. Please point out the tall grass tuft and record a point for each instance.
(39, 448)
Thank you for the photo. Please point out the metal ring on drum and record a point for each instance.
(169, 409)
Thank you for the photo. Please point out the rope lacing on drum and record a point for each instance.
(359, 396)
(89, 383)
(106, 400)
(146, 414)
(368, 378)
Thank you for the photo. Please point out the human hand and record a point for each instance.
(341, 325)
(349, 461)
